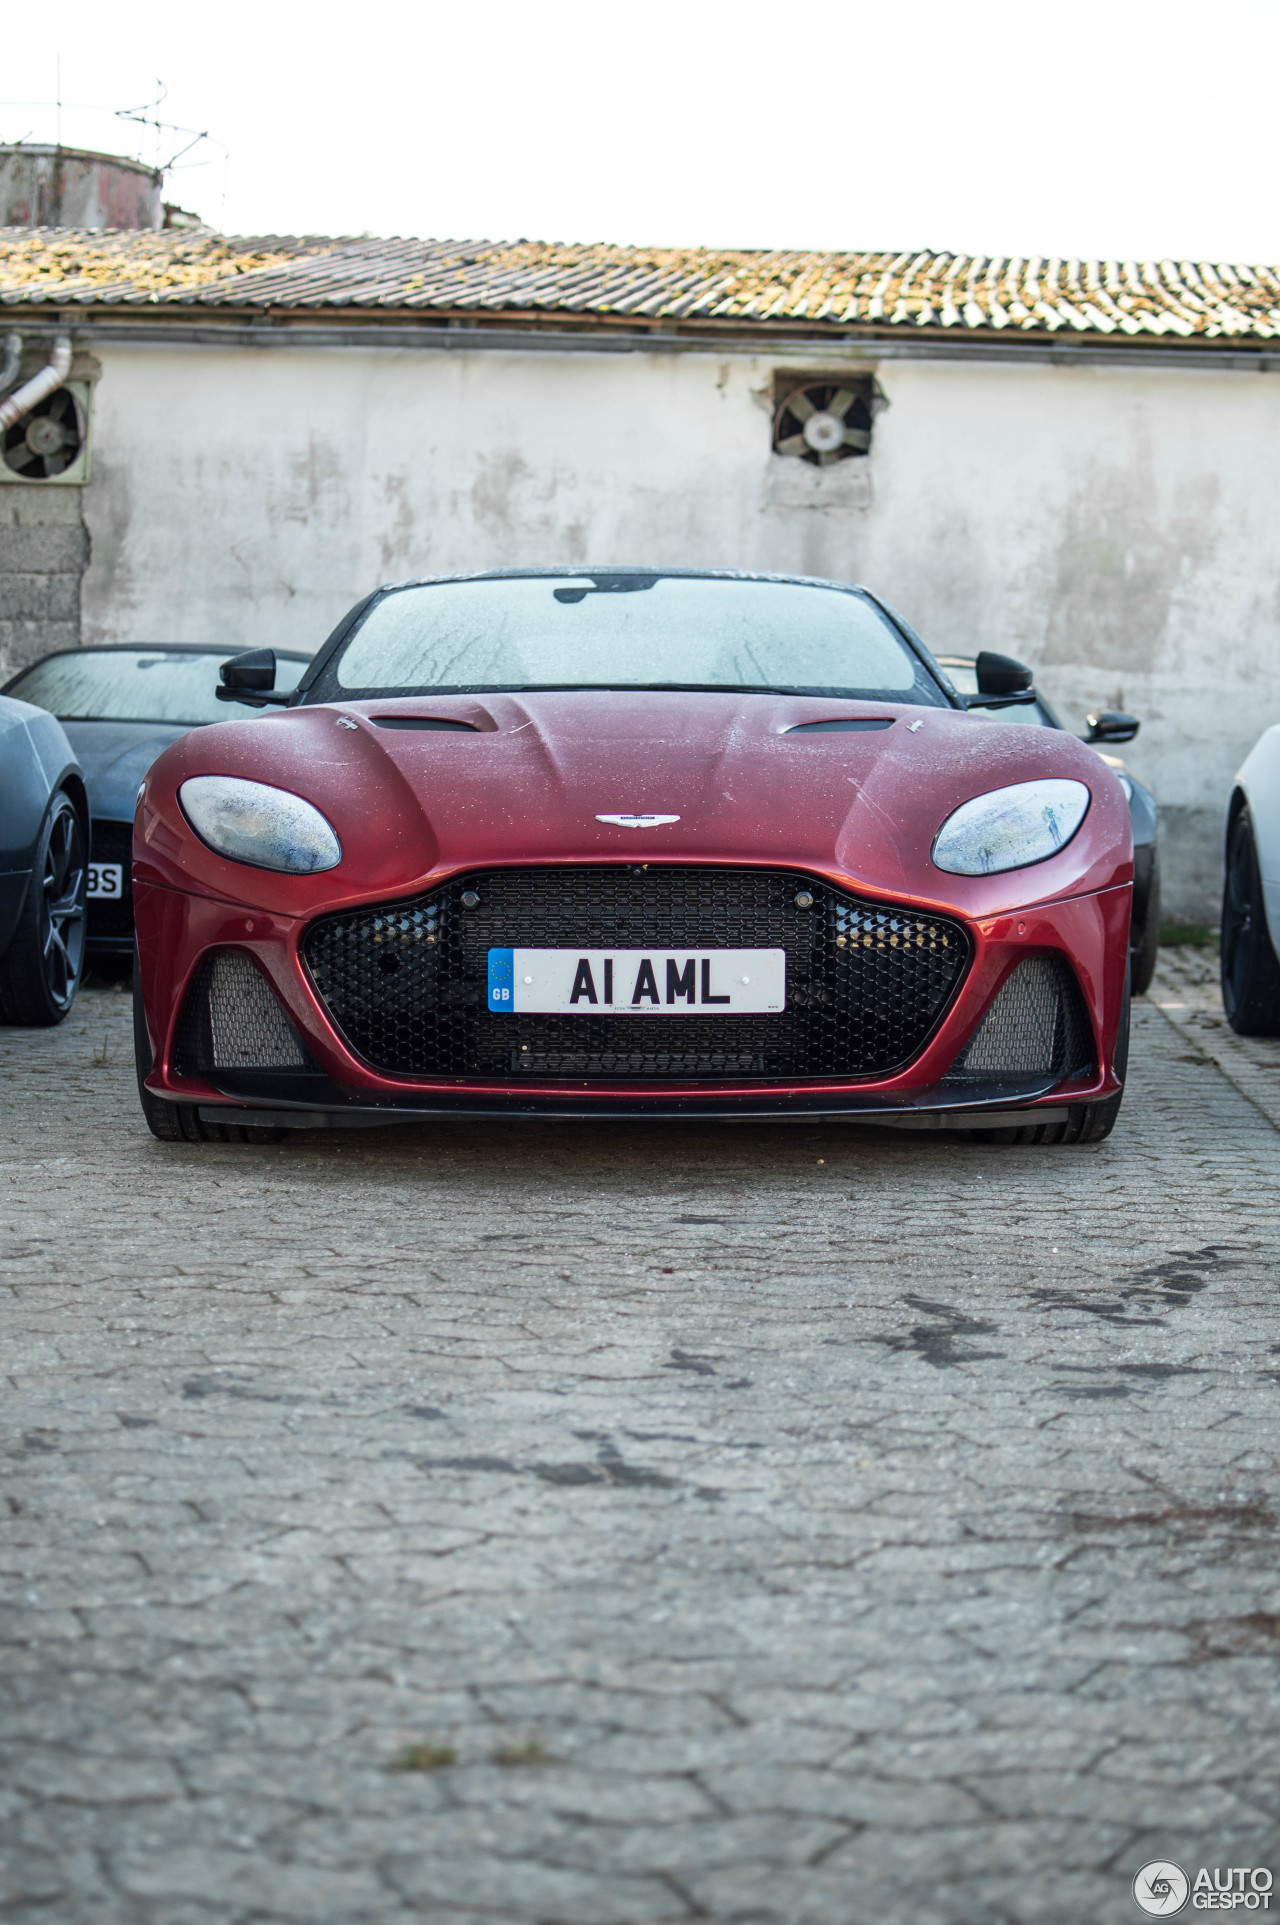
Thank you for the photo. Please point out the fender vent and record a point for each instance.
(233, 1020)
(1037, 1026)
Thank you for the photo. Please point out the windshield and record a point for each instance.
(137, 685)
(626, 631)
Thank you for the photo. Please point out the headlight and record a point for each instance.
(1010, 828)
(252, 822)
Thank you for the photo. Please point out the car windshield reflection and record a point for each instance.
(164, 684)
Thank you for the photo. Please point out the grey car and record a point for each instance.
(44, 847)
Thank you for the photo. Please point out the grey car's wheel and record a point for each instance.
(42, 967)
(1145, 942)
(1250, 971)
(1084, 1122)
(180, 1122)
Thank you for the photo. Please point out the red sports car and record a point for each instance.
(630, 842)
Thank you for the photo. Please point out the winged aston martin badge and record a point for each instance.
(638, 821)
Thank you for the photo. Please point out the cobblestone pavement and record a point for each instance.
(788, 1525)
(1186, 990)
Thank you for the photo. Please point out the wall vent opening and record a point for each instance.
(824, 418)
(51, 441)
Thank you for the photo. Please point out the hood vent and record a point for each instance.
(845, 725)
(422, 722)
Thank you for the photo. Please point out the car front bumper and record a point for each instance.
(177, 929)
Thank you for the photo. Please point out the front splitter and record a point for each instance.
(987, 1105)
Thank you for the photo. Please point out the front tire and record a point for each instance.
(41, 969)
(180, 1122)
(1250, 971)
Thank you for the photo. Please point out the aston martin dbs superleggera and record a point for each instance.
(629, 842)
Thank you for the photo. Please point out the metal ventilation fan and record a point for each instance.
(823, 423)
(45, 442)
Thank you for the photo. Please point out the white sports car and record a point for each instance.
(1251, 895)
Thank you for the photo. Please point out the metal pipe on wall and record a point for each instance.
(12, 361)
(32, 392)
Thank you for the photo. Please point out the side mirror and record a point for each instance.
(250, 678)
(1000, 674)
(1002, 682)
(1111, 726)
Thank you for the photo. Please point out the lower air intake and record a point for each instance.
(232, 1020)
(1037, 1026)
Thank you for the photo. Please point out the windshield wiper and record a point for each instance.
(691, 688)
(624, 688)
(718, 688)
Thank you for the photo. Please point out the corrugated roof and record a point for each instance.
(946, 293)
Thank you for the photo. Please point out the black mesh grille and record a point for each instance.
(1037, 1026)
(232, 1020)
(406, 983)
(110, 918)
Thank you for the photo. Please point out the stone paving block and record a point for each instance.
(86, 1778)
(854, 1795)
(266, 1888)
(1191, 1809)
(503, 1889)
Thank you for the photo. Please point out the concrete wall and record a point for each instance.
(1119, 528)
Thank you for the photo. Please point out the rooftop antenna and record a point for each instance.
(142, 116)
(58, 68)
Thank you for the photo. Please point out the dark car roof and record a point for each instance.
(170, 648)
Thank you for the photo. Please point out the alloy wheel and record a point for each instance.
(62, 910)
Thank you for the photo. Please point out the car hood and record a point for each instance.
(528, 777)
(115, 756)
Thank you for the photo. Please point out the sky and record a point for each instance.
(1107, 130)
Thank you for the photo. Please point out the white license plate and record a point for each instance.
(637, 982)
(106, 881)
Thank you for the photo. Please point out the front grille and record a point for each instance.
(406, 983)
(232, 1020)
(1037, 1026)
(110, 918)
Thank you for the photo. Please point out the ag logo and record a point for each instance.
(637, 821)
(1162, 1888)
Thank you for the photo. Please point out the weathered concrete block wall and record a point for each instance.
(1118, 527)
(44, 551)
